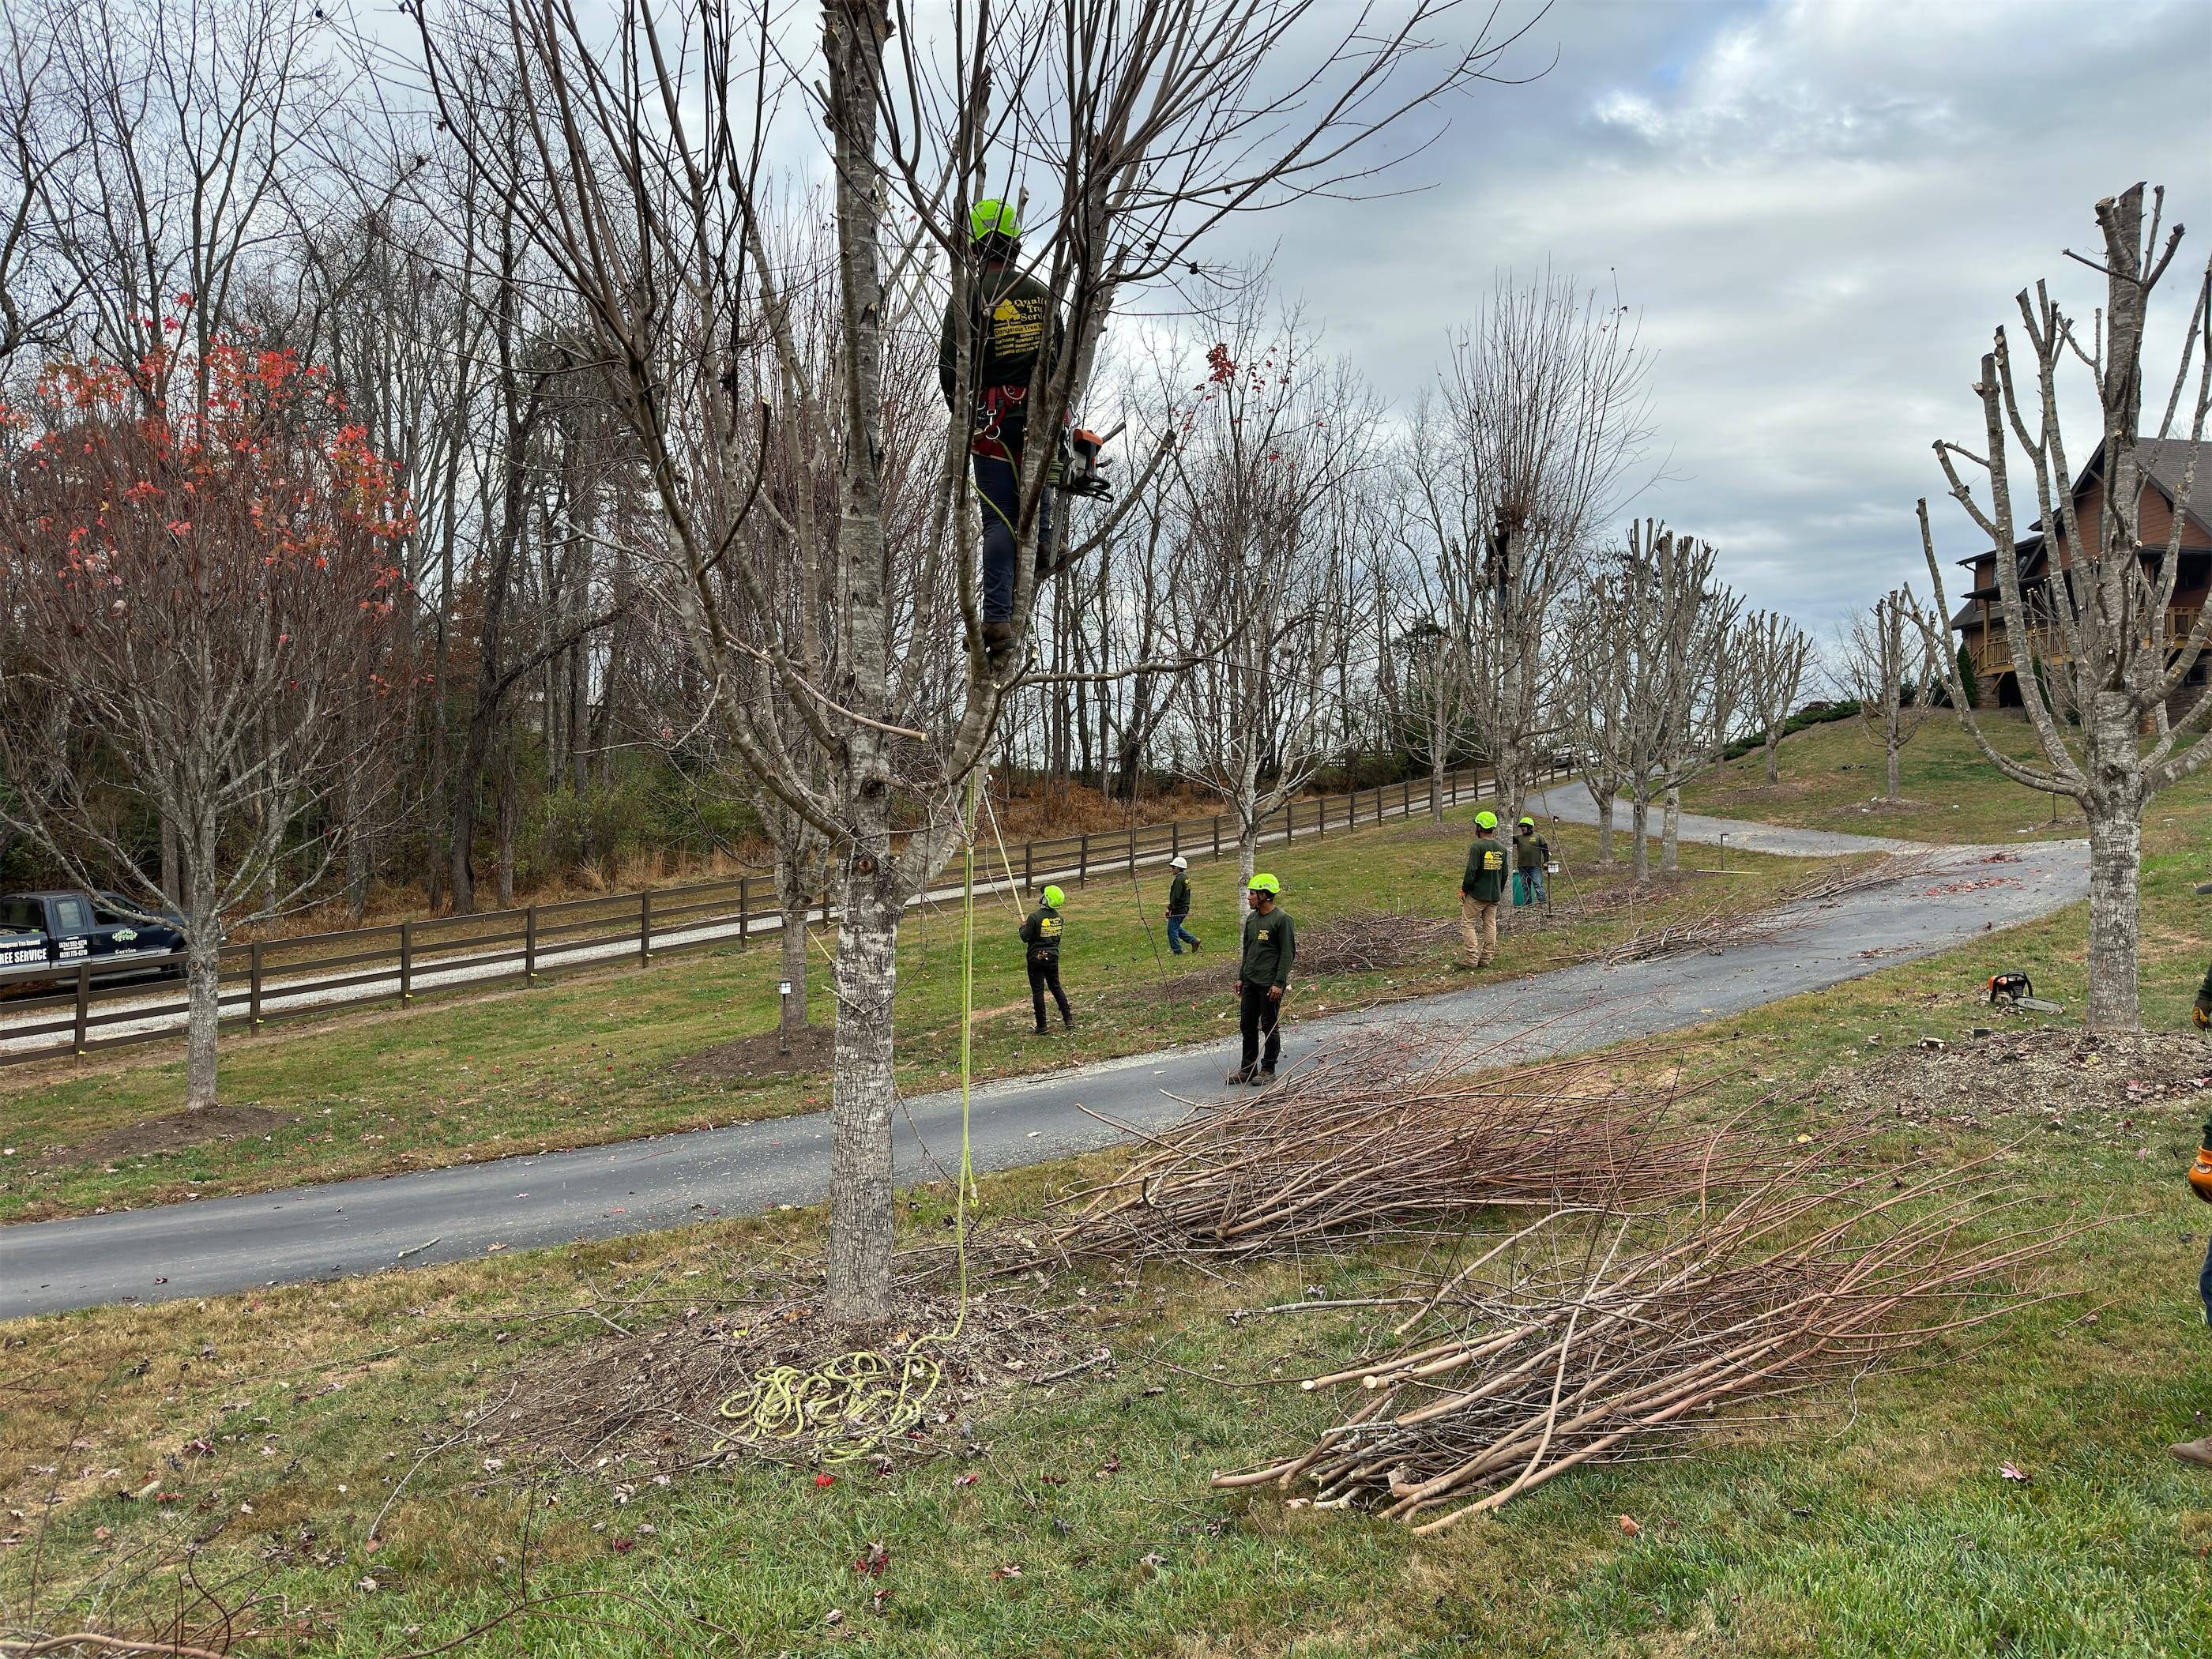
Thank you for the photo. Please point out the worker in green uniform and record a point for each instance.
(2201, 1015)
(1179, 907)
(1531, 853)
(1480, 887)
(1011, 320)
(1042, 933)
(1271, 945)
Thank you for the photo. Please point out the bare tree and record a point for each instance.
(1666, 673)
(1544, 419)
(2088, 603)
(1886, 663)
(640, 173)
(203, 592)
(1776, 654)
(1266, 545)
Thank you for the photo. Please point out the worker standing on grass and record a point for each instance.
(1480, 887)
(1271, 945)
(1042, 933)
(1531, 853)
(1011, 320)
(1179, 907)
(2200, 1182)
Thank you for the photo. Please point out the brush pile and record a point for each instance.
(1569, 1344)
(1381, 1135)
(1724, 927)
(1886, 872)
(1374, 939)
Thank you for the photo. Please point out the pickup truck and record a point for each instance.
(69, 925)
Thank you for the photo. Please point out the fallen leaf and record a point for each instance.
(966, 1479)
(1628, 1525)
(622, 1546)
(2012, 1474)
(825, 1480)
(873, 1560)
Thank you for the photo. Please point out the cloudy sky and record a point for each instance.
(1821, 207)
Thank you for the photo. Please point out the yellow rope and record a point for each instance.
(857, 1402)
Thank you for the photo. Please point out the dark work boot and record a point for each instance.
(998, 639)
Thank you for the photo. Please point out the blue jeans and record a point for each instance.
(2204, 1281)
(1179, 936)
(1529, 887)
(999, 484)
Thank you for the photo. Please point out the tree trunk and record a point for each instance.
(2115, 814)
(1437, 785)
(791, 901)
(1639, 835)
(1247, 852)
(1670, 845)
(1604, 826)
(509, 809)
(1773, 760)
(1892, 753)
(169, 880)
(863, 1097)
(203, 1007)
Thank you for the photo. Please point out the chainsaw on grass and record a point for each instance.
(2018, 991)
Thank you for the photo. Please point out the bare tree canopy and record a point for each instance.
(2109, 673)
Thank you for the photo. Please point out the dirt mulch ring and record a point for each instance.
(752, 1058)
(651, 1395)
(170, 1133)
(2011, 1080)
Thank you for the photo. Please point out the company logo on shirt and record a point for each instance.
(1049, 927)
(1491, 861)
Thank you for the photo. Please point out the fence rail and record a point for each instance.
(101, 1003)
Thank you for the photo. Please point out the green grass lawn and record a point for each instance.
(605, 1056)
(1830, 774)
(1877, 1527)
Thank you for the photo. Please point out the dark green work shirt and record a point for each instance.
(2205, 990)
(1531, 851)
(1012, 314)
(1485, 878)
(1040, 933)
(1271, 945)
(1179, 895)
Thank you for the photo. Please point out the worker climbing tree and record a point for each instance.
(1011, 322)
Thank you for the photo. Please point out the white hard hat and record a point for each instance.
(1178, 862)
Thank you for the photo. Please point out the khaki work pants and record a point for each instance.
(1477, 930)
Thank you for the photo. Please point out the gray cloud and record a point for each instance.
(1822, 209)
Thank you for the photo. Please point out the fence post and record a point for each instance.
(407, 961)
(83, 1002)
(744, 908)
(1321, 817)
(644, 926)
(253, 990)
(1132, 847)
(1083, 861)
(1029, 867)
(1175, 838)
(529, 944)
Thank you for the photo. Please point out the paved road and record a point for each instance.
(1572, 802)
(229, 1244)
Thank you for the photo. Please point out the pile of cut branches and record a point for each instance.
(1724, 928)
(1570, 1343)
(1827, 888)
(1372, 939)
(1381, 1133)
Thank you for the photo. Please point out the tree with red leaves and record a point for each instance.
(198, 578)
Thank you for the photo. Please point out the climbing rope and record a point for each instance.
(854, 1404)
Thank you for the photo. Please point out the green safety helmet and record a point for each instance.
(1054, 897)
(1264, 883)
(993, 218)
(1485, 819)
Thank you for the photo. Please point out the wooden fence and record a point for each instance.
(80, 1009)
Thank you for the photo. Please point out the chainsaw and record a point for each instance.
(2018, 991)
(1081, 471)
